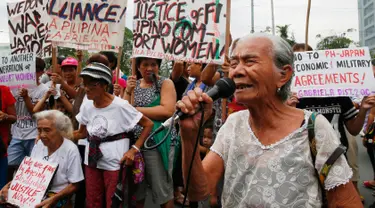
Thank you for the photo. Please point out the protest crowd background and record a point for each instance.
(81, 97)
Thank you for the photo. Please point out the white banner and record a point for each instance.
(28, 21)
(31, 182)
(187, 30)
(87, 24)
(18, 70)
(333, 73)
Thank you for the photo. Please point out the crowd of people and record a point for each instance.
(94, 124)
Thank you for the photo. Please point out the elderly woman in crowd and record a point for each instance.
(155, 97)
(264, 150)
(54, 131)
(106, 120)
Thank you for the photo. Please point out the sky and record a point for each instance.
(328, 17)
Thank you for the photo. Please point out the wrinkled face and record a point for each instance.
(48, 133)
(69, 73)
(94, 89)
(207, 138)
(147, 67)
(252, 69)
(194, 69)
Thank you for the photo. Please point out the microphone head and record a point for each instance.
(226, 87)
(152, 77)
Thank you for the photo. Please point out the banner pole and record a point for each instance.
(54, 62)
(119, 57)
(307, 25)
(227, 40)
(79, 67)
(134, 73)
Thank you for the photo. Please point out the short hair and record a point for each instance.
(40, 65)
(299, 46)
(282, 55)
(99, 58)
(62, 123)
(138, 62)
(111, 56)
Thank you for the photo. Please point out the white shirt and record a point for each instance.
(278, 175)
(67, 156)
(118, 117)
(25, 126)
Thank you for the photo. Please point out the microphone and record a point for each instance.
(223, 88)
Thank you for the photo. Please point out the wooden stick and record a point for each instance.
(307, 25)
(54, 59)
(119, 57)
(134, 70)
(227, 40)
(79, 67)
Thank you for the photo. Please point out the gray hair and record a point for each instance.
(62, 122)
(282, 55)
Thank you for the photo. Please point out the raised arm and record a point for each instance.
(204, 175)
(177, 71)
(167, 103)
(210, 75)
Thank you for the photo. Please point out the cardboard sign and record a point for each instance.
(31, 182)
(28, 22)
(87, 24)
(17, 70)
(185, 30)
(333, 73)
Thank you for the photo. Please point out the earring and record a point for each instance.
(278, 89)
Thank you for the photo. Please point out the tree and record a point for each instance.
(125, 66)
(333, 42)
(283, 31)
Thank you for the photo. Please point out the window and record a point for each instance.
(369, 9)
(369, 20)
(370, 42)
(369, 31)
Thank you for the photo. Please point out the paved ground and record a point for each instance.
(366, 173)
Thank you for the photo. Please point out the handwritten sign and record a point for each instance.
(333, 73)
(17, 70)
(87, 24)
(31, 182)
(187, 30)
(28, 22)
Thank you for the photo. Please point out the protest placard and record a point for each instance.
(28, 22)
(187, 30)
(17, 70)
(87, 24)
(333, 73)
(30, 183)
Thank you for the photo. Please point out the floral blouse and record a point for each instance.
(278, 175)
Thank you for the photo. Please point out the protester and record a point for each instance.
(24, 131)
(155, 97)
(54, 131)
(345, 119)
(69, 84)
(7, 117)
(269, 138)
(180, 78)
(106, 120)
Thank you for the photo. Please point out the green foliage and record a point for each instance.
(283, 31)
(125, 66)
(333, 42)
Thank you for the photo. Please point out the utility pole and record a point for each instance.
(252, 16)
(273, 18)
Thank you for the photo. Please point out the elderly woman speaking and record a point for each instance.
(263, 152)
(54, 131)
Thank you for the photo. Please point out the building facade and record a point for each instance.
(366, 12)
